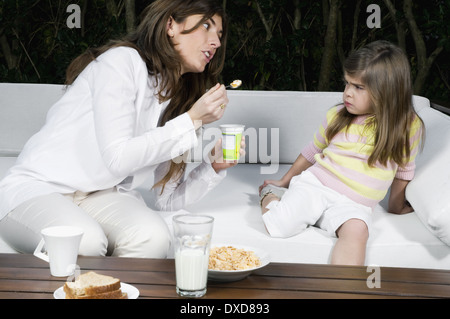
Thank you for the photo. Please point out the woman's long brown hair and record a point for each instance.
(154, 46)
(384, 69)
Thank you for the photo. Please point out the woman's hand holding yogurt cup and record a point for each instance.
(216, 156)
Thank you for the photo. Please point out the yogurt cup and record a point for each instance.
(231, 141)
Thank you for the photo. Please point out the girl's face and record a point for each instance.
(356, 97)
(198, 47)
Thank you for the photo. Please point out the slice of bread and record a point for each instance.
(94, 286)
(116, 294)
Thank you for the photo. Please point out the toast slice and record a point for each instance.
(94, 286)
(116, 294)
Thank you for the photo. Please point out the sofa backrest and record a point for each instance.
(269, 117)
(23, 108)
(296, 116)
(274, 116)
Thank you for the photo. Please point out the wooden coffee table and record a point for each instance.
(27, 277)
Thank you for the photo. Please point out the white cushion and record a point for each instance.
(5, 164)
(429, 191)
(23, 111)
(395, 240)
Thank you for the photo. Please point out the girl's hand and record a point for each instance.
(216, 156)
(279, 183)
(210, 107)
(406, 209)
(397, 201)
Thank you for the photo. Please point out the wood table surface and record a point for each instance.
(27, 277)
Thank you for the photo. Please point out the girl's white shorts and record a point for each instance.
(308, 202)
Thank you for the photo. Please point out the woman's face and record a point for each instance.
(198, 47)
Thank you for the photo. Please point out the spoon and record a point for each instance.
(234, 85)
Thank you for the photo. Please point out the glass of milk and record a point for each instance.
(192, 238)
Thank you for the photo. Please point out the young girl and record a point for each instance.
(365, 145)
(131, 107)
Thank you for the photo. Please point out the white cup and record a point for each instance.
(62, 244)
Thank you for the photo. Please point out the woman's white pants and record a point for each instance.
(114, 224)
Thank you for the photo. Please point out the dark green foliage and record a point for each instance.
(272, 45)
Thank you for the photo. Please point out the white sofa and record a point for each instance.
(278, 126)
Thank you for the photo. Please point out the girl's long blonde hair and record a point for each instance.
(384, 69)
(155, 47)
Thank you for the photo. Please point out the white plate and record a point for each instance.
(132, 291)
(235, 275)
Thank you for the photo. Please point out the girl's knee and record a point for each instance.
(355, 228)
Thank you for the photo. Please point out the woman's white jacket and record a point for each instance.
(104, 133)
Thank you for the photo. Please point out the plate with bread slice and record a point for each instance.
(92, 285)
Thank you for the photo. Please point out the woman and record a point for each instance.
(131, 108)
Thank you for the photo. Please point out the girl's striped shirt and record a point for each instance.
(342, 162)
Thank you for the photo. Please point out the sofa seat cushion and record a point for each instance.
(395, 240)
(5, 164)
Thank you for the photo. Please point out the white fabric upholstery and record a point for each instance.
(23, 110)
(429, 192)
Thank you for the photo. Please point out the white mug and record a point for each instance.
(62, 244)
